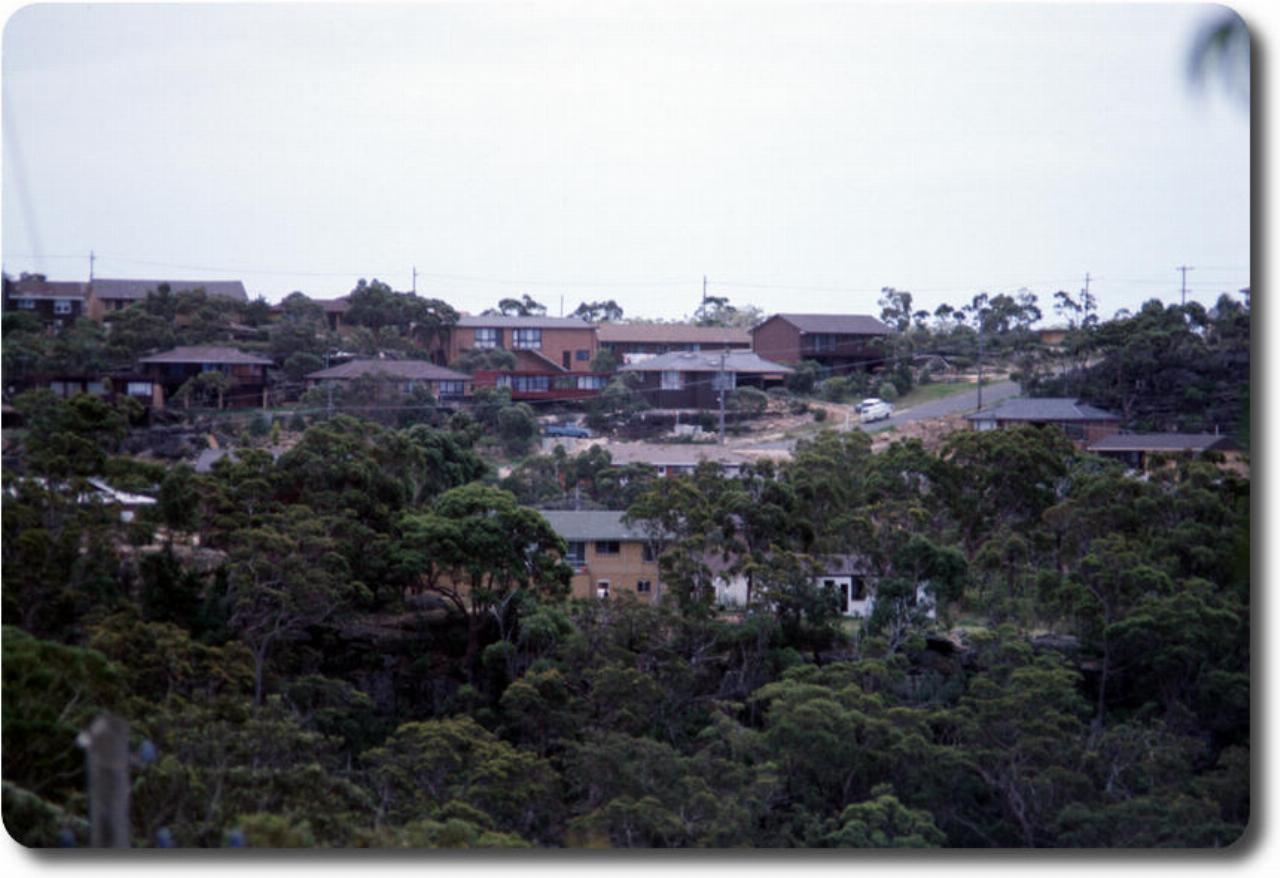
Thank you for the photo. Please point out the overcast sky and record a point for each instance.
(801, 157)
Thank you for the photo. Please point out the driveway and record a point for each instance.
(937, 408)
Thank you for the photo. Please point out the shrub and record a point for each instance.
(888, 391)
(819, 415)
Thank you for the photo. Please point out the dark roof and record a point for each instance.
(408, 370)
(834, 324)
(48, 289)
(207, 354)
(505, 322)
(1050, 408)
(1164, 442)
(676, 333)
(593, 524)
(707, 361)
(107, 288)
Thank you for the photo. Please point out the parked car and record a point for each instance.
(870, 410)
(569, 430)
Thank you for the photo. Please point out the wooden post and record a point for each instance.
(106, 745)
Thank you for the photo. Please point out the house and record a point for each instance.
(1136, 450)
(397, 378)
(674, 460)
(57, 303)
(1052, 336)
(127, 505)
(837, 341)
(528, 385)
(1083, 423)
(542, 345)
(247, 372)
(848, 577)
(107, 295)
(608, 557)
(632, 342)
(693, 379)
(109, 386)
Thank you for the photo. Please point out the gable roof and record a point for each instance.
(708, 361)
(501, 321)
(675, 333)
(32, 288)
(1049, 408)
(591, 524)
(1164, 442)
(207, 354)
(833, 324)
(408, 370)
(109, 288)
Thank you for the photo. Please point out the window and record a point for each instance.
(859, 589)
(531, 383)
(138, 388)
(488, 338)
(526, 338)
(582, 356)
(602, 589)
(724, 381)
(95, 388)
(607, 547)
(672, 380)
(823, 342)
(27, 304)
(61, 306)
(577, 554)
(643, 586)
(590, 382)
(450, 388)
(646, 553)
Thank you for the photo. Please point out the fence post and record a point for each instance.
(106, 744)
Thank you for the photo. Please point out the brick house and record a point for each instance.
(628, 340)
(837, 341)
(608, 557)
(397, 378)
(107, 295)
(247, 372)
(542, 345)
(692, 379)
(1084, 424)
(57, 303)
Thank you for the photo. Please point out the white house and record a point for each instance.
(850, 576)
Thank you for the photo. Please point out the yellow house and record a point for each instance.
(609, 558)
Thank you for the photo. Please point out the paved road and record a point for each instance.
(948, 405)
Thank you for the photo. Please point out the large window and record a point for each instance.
(590, 382)
(27, 304)
(450, 388)
(576, 557)
(62, 306)
(526, 338)
(608, 547)
(823, 342)
(672, 380)
(724, 380)
(531, 383)
(488, 337)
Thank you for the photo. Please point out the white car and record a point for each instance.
(874, 410)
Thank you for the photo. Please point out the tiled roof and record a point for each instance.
(48, 289)
(1163, 442)
(837, 324)
(674, 333)
(501, 321)
(207, 354)
(407, 370)
(108, 288)
(593, 524)
(707, 361)
(1043, 409)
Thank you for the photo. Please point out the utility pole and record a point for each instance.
(704, 288)
(106, 746)
(721, 380)
(1184, 269)
(979, 361)
(91, 258)
(415, 280)
(1086, 284)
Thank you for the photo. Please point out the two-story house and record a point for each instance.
(247, 373)
(608, 557)
(540, 344)
(56, 302)
(693, 379)
(107, 295)
(837, 341)
(632, 342)
(392, 379)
